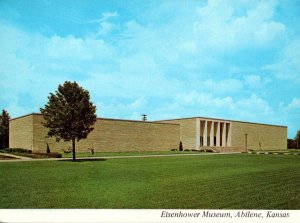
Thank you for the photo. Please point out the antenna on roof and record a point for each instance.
(144, 117)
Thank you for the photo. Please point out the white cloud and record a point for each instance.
(223, 86)
(15, 109)
(252, 108)
(32, 65)
(288, 114)
(105, 25)
(104, 17)
(80, 49)
(108, 15)
(254, 81)
(288, 65)
(106, 28)
(132, 109)
(135, 76)
(294, 104)
(138, 103)
(177, 68)
(220, 27)
(188, 47)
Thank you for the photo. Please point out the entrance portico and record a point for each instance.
(213, 133)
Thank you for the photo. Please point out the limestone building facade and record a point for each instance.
(229, 135)
(129, 135)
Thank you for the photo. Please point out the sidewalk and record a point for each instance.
(15, 156)
(113, 157)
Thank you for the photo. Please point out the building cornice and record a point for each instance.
(162, 121)
(221, 120)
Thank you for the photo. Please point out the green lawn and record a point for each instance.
(130, 153)
(239, 181)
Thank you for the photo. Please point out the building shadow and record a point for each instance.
(83, 160)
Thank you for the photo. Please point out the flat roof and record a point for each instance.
(161, 121)
(128, 120)
(220, 119)
(23, 116)
(112, 119)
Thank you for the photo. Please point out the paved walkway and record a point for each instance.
(114, 157)
(15, 156)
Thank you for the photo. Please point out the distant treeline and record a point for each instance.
(294, 143)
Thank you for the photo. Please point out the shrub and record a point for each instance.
(54, 155)
(92, 151)
(15, 150)
(29, 153)
(48, 148)
(46, 155)
(180, 146)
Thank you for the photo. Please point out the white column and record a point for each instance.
(218, 134)
(205, 134)
(197, 133)
(229, 135)
(211, 134)
(224, 135)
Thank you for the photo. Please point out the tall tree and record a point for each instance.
(297, 139)
(4, 129)
(69, 114)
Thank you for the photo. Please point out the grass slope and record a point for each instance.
(239, 181)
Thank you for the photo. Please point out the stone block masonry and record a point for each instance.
(229, 135)
(259, 136)
(108, 135)
(127, 135)
(21, 132)
(187, 131)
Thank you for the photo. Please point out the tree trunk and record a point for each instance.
(73, 149)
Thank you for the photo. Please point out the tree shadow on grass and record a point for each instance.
(84, 160)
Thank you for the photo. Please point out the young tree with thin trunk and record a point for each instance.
(69, 114)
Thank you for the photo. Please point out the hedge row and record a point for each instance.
(29, 153)
(15, 150)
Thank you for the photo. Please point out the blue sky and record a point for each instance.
(230, 59)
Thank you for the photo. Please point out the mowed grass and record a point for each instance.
(129, 153)
(239, 181)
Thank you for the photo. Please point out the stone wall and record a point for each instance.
(187, 131)
(259, 136)
(21, 132)
(126, 135)
(40, 139)
(114, 135)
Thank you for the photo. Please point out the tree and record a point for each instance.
(69, 114)
(291, 144)
(297, 139)
(4, 129)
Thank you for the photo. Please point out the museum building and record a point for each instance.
(194, 133)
